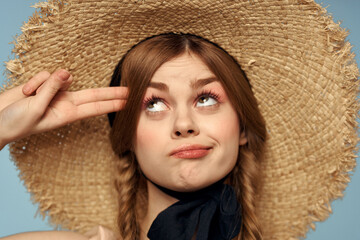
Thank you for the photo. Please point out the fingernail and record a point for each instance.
(64, 75)
(26, 90)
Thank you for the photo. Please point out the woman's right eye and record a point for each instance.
(156, 105)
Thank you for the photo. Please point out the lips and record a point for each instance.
(190, 151)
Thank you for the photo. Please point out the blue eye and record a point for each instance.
(206, 100)
(156, 105)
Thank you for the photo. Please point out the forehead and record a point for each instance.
(184, 67)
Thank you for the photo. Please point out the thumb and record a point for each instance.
(56, 82)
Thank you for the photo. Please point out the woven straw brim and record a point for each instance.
(302, 72)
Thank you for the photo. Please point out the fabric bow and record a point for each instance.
(210, 214)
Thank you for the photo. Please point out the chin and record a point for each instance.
(191, 184)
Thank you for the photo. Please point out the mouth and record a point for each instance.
(190, 151)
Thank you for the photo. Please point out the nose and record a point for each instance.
(184, 124)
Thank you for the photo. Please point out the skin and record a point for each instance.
(54, 235)
(179, 116)
(44, 103)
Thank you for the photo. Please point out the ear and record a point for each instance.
(242, 139)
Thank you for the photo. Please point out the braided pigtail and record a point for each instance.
(127, 182)
(245, 179)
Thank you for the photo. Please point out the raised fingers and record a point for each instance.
(51, 86)
(35, 82)
(100, 94)
(98, 108)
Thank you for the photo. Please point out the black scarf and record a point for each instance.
(212, 213)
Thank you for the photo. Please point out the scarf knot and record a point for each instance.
(212, 213)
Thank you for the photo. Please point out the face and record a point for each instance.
(188, 133)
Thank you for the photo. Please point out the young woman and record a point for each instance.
(185, 149)
(190, 121)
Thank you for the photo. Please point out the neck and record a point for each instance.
(157, 202)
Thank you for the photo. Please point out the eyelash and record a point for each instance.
(208, 93)
(153, 98)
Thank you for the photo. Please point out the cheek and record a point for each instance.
(224, 127)
(145, 132)
(228, 138)
(144, 138)
(149, 136)
(149, 144)
(143, 144)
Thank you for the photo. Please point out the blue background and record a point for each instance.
(17, 213)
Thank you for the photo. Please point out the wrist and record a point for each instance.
(3, 141)
(2, 145)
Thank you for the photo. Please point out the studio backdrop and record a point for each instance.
(19, 214)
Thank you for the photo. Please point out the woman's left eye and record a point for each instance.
(206, 100)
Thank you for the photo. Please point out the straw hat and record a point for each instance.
(301, 69)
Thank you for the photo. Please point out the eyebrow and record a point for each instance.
(195, 84)
(159, 85)
(202, 82)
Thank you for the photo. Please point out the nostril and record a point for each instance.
(178, 133)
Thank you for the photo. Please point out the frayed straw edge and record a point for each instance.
(57, 218)
(341, 49)
(45, 14)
